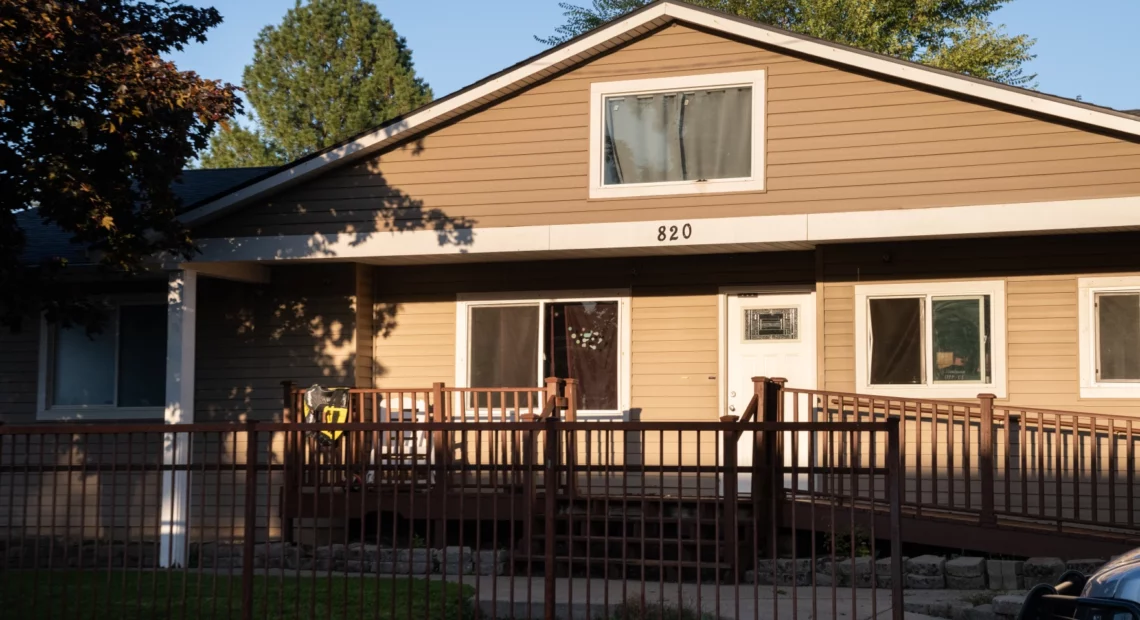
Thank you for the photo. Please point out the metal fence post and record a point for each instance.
(550, 486)
(986, 460)
(289, 415)
(894, 488)
(249, 525)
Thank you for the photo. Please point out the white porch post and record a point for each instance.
(182, 300)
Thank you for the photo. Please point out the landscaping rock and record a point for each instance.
(926, 566)
(938, 608)
(783, 572)
(965, 583)
(863, 570)
(883, 572)
(358, 566)
(334, 552)
(1085, 566)
(1004, 574)
(456, 561)
(925, 582)
(492, 562)
(1042, 570)
(1008, 604)
(966, 567)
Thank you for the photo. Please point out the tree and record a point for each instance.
(330, 70)
(955, 35)
(95, 128)
(238, 147)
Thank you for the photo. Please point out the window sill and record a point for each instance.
(1111, 390)
(933, 392)
(100, 414)
(681, 188)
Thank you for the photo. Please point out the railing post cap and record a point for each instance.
(759, 379)
(727, 418)
(780, 381)
(987, 396)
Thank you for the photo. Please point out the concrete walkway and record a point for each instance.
(597, 599)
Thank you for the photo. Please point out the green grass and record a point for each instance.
(98, 595)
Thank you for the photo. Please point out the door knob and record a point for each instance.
(732, 407)
(733, 394)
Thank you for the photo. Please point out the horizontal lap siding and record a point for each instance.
(19, 371)
(414, 345)
(300, 327)
(836, 141)
(674, 357)
(1041, 276)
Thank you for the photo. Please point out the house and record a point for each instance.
(702, 198)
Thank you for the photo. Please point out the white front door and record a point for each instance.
(769, 335)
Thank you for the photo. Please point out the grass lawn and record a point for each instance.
(99, 595)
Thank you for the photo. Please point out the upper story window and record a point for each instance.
(679, 135)
(941, 339)
(117, 373)
(1110, 337)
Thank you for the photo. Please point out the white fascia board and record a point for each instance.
(1023, 99)
(1094, 215)
(1032, 217)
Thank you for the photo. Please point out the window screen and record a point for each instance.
(896, 341)
(961, 338)
(581, 342)
(678, 136)
(142, 356)
(1118, 337)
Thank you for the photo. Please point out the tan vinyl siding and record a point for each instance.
(836, 141)
(674, 357)
(365, 322)
(414, 343)
(300, 327)
(19, 372)
(1041, 275)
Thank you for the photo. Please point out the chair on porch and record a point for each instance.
(401, 451)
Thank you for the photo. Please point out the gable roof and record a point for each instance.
(635, 25)
(47, 241)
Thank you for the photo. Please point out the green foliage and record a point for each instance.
(95, 127)
(238, 147)
(841, 544)
(151, 595)
(955, 35)
(330, 70)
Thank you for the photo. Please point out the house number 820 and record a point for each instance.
(673, 233)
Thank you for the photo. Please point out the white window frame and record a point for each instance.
(48, 412)
(1087, 290)
(928, 290)
(600, 90)
(465, 302)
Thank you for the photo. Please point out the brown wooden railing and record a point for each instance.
(979, 458)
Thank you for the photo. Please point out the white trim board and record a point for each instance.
(616, 33)
(600, 91)
(760, 232)
(1087, 288)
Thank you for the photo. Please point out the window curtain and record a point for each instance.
(589, 351)
(678, 136)
(504, 346)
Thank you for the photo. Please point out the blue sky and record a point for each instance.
(1091, 52)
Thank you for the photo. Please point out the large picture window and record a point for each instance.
(681, 135)
(117, 372)
(938, 338)
(517, 343)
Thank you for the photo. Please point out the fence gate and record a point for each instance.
(525, 517)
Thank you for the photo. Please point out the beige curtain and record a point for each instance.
(678, 136)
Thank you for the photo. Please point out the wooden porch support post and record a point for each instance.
(762, 450)
(181, 310)
(986, 460)
(289, 415)
(572, 394)
(439, 443)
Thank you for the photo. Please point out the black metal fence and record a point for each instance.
(536, 519)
